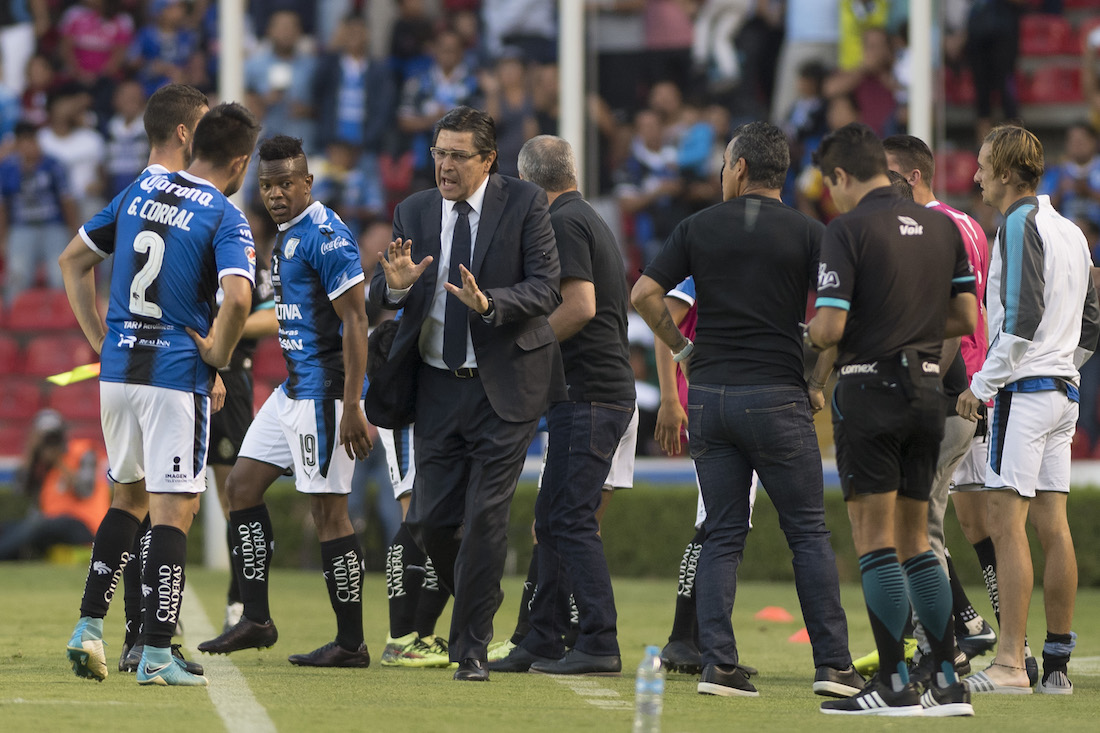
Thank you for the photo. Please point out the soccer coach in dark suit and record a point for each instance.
(474, 362)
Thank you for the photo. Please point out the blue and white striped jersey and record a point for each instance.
(174, 237)
(315, 260)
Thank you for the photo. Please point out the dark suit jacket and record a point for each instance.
(381, 99)
(515, 260)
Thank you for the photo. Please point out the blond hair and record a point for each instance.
(1014, 150)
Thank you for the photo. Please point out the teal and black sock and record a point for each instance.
(405, 568)
(1056, 652)
(164, 575)
(930, 594)
(888, 608)
(342, 560)
(523, 624)
(253, 546)
(433, 599)
(987, 559)
(683, 622)
(112, 549)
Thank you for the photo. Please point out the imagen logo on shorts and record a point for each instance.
(177, 475)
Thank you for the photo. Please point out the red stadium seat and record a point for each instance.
(20, 398)
(1046, 35)
(87, 430)
(78, 401)
(1053, 85)
(13, 437)
(11, 360)
(268, 363)
(959, 87)
(955, 171)
(53, 354)
(41, 309)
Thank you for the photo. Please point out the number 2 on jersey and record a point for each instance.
(152, 243)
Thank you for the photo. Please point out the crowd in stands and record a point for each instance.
(670, 80)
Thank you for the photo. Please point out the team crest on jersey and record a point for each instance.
(290, 246)
(909, 226)
(250, 253)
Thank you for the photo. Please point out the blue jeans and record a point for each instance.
(583, 439)
(734, 430)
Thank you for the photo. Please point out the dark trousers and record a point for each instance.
(468, 461)
(767, 428)
(583, 440)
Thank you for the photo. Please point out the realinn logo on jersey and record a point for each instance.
(909, 226)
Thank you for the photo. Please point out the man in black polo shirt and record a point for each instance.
(754, 261)
(585, 430)
(894, 281)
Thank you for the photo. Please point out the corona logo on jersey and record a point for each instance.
(909, 227)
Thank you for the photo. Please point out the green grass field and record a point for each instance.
(38, 692)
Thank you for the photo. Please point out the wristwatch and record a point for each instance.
(684, 352)
(489, 310)
(806, 337)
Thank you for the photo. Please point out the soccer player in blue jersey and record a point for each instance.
(314, 421)
(175, 237)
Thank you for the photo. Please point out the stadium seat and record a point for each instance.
(55, 353)
(11, 358)
(1046, 35)
(1053, 85)
(41, 309)
(88, 430)
(13, 437)
(78, 401)
(955, 171)
(1086, 28)
(959, 87)
(268, 363)
(20, 398)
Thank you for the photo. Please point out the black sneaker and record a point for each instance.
(132, 660)
(975, 645)
(332, 655)
(728, 681)
(123, 664)
(832, 682)
(947, 702)
(247, 634)
(518, 660)
(682, 656)
(877, 698)
(922, 670)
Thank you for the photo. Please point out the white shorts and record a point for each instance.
(701, 509)
(621, 475)
(303, 434)
(970, 473)
(1029, 442)
(398, 446)
(156, 434)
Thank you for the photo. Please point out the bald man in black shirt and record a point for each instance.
(754, 261)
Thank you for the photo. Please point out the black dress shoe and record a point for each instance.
(247, 634)
(518, 660)
(472, 670)
(578, 662)
(332, 655)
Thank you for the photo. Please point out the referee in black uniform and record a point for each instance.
(893, 282)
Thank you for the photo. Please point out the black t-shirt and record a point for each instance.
(955, 382)
(894, 266)
(754, 261)
(597, 358)
(263, 296)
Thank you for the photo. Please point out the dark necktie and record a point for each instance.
(454, 323)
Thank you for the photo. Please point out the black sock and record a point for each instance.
(405, 568)
(114, 541)
(164, 575)
(131, 583)
(928, 590)
(342, 560)
(683, 623)
(433, 599)
(1056, 652)
(253, 545)
(961, 607)
(987, 558)
(573, 622)
(888, 608)
(522, 621)
(233, 595)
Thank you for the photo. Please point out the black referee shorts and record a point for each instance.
(229, 424)
(888, 433)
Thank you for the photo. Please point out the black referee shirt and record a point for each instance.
(754, 261)
(893, 265)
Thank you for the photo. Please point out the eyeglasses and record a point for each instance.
(458, 156)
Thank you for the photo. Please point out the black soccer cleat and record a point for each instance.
(247, 634)
(332, 655)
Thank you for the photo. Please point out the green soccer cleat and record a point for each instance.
(500, 650)
(85, 649)
(392, 653)
(867, 665)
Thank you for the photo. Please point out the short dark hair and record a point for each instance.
(900, 184)
(853, 148)
(25, 129)
(170, 106)
(765, 150)
(913, 154)
(226, 132)
(281, 147)
(468, 119)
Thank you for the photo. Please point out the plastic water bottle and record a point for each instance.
(649, 692)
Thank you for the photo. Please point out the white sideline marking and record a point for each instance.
(1086, 666)
(592, 692)
(228, 690)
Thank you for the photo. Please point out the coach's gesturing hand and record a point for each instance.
(401, 271)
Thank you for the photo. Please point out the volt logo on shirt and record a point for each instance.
(909, 226)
